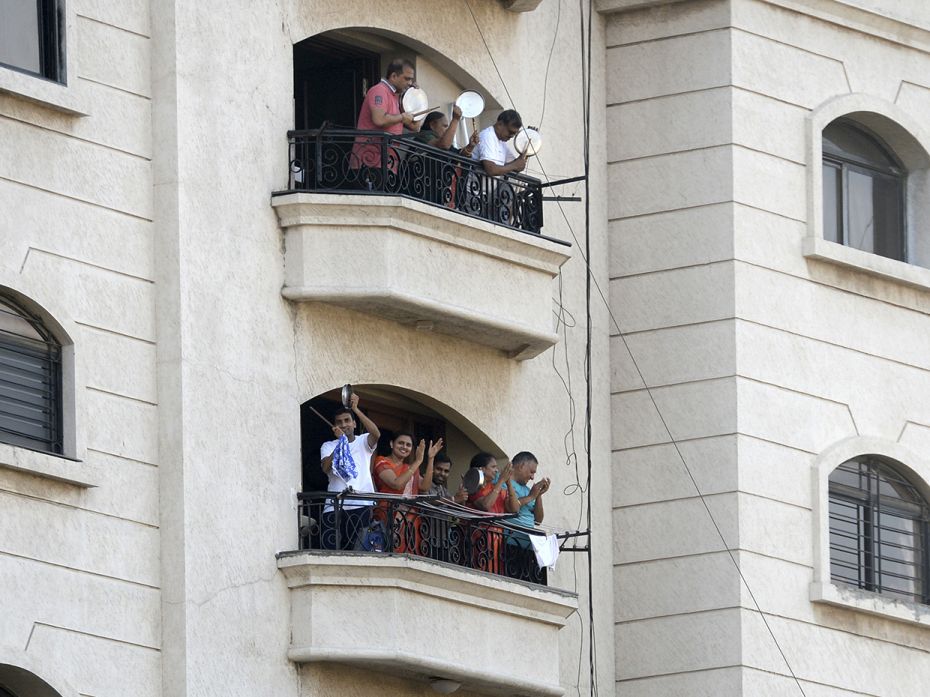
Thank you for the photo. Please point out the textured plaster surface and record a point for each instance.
(709, 273)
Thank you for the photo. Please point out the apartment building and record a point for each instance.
(190, 268)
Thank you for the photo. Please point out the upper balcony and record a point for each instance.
(387, 207)
(384, 589)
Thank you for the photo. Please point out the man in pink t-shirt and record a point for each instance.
(381, 111)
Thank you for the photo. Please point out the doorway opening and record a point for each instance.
(331, 78)
(393, 410)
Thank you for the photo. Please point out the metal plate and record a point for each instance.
(528, 141)
(471, 103)
(415, 100)
(473, 480)
(346, 396)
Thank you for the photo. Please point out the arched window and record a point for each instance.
(30, 381)
(863, 191)
(19, 682)
(878, 530)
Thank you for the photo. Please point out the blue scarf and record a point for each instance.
(343, 464)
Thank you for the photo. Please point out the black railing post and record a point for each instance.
(318, 160)
(384, 163)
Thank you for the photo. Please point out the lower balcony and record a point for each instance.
(428, 241)
(425, 590)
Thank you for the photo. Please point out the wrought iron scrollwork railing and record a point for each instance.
(338, 160)
(422, 526)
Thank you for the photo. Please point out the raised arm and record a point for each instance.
(399, 481)
(426, 481)
(538, 512)
(515, 503)
(485, 502)
(445, 140)
(373, 432)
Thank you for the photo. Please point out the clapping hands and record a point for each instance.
(541, 487)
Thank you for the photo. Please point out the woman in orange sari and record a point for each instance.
(394, 475)
(491, 497)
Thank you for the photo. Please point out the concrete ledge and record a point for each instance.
(873, 264)
(396, 612)
(422, 266)
(57, 467)
(46, 93)
(871, 603)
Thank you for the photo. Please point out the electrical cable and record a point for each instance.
(555, 35)
(585, 490)
(588, 283)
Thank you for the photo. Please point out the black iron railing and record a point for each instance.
(423, 526)
(338, 160)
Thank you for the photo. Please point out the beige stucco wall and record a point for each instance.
(79, 566)
(761, 358)
(239, 359)
(145, 227)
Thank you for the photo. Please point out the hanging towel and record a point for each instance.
(343, 464)
(546, 548)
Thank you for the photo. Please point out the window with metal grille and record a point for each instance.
(878, 530)
(32, 37)
(30, 381)
(863, 191)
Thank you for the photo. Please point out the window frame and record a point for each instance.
(896, 173)
(51, 43)
(54, 445)
(823, 590)
(871, 505)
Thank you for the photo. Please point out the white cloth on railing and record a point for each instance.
(546, 549)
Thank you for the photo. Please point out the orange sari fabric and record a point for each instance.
(405, 527)
(486, 545)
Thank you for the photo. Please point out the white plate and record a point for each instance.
(528, 141)
(415, 100)
(471, 103)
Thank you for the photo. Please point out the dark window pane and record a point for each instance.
(863, 192)
(832, 198)
(887, 204)
(877, 521)
(30, 381)
(19, 34)
(847, 142)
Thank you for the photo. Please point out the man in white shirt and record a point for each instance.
(492, 151)
(353, 516)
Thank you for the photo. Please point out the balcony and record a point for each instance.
(444, 247)
(388, 595)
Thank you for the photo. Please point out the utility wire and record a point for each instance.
(589, 280)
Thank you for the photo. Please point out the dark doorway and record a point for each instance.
(330, 81)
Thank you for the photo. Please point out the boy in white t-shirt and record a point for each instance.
(354, 516)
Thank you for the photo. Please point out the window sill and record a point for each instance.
(873, 264)
(65, 98)
(56, 467)
(871, 603)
